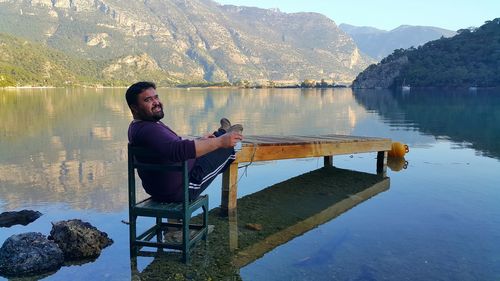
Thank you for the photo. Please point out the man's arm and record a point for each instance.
(206, 145)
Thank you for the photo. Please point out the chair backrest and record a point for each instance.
(134, 152)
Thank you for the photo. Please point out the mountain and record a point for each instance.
(379, 43)
(472, 57)
(26, 63)
(188, 40)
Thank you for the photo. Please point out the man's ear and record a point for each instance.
(133, 108)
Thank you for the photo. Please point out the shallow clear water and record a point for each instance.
(63, 153)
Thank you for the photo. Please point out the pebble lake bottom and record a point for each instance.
(63, 153)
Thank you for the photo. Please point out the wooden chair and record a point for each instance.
(182, 211)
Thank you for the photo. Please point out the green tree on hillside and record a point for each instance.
(472, 57)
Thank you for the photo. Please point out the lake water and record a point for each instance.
(63, 153)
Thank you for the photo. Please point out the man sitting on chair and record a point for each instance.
(207, 156)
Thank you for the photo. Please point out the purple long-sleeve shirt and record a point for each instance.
(162, 186)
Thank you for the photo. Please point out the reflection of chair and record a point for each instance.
(148, 208)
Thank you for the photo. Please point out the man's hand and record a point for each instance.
(206, 136)
(209, 144)
(230, 139)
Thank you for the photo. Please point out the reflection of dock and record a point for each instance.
(322, 195)
(314, 210)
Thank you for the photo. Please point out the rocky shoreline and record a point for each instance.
(34, 254)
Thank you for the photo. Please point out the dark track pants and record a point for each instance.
(207, 167)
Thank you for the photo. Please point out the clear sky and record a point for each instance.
(389, 14)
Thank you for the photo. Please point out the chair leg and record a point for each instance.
(135, 275)
(205, 221)
(132, 234)
(159, 236)
(185, 239)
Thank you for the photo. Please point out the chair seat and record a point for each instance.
(151, 207)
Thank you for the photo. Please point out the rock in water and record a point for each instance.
(29, 254)
(24, 217)
(78, 239)
(254, 226)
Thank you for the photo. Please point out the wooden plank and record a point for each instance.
(284, 140)
(229, 189)
(265, 153)
(232, 216)
(355, 137)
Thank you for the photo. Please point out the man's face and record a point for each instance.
(149, 106)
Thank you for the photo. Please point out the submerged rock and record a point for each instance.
(78, 239)
(254, 226)
(24, 217)
(29, 254)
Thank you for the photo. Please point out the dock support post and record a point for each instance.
(229, 189)
(328, 161)
(382, 163)
(233, 229)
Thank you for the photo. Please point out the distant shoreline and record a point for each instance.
(431, 88)
(175, 87)
(62, 87)
(239, 87)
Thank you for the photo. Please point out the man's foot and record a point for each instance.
(225, 125)
(235, 128)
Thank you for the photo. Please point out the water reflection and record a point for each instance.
(62, 152)
(68, 145)
(397, 164)
(323, 194)
(61, 145)
(468, 119)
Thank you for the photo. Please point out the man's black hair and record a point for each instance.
(137, 88)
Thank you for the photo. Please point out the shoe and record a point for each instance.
(235, 128)
(174, 235)
(210, 228)
(225, 125)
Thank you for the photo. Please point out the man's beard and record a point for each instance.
(158, 115)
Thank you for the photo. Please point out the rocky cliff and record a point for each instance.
(381, 75)
(189, 39)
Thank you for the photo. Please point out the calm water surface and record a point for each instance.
(63, 153)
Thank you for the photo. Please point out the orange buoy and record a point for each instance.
(397, 164)
(398, 149)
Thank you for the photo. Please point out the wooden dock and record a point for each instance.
(267, 148)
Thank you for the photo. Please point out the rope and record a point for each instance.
(246, 165)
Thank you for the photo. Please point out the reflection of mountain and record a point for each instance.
(323, 195)
(68, 145)
(59, 146)
(464, 117)
(264, 111)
